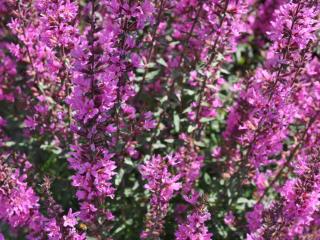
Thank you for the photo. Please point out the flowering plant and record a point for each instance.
(145, 119)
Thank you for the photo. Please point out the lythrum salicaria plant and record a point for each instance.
(158, 119)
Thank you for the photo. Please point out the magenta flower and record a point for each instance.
(158, 116)
(70, 219)
(163, 185)
(194, 228)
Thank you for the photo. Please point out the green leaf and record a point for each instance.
(128, 161)
(162, 62)
(140, 70)
(207, 178)
(9, 144)
(119, 177)
(191, 129)
(158, 145)
(205, 120)
(151, 65)
(169, 140)
(200, 144)
(152, 75)
(176, 122)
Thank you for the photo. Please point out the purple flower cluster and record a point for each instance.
(168, 119)
(20, 206)
(195, 228)
(163, 185)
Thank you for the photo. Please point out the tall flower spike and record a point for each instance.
(93, 94)
(297, 208)
(20, 205)
(261, 119)
(195, 228)
(101, 92)
(163, 185)
(46, 34)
